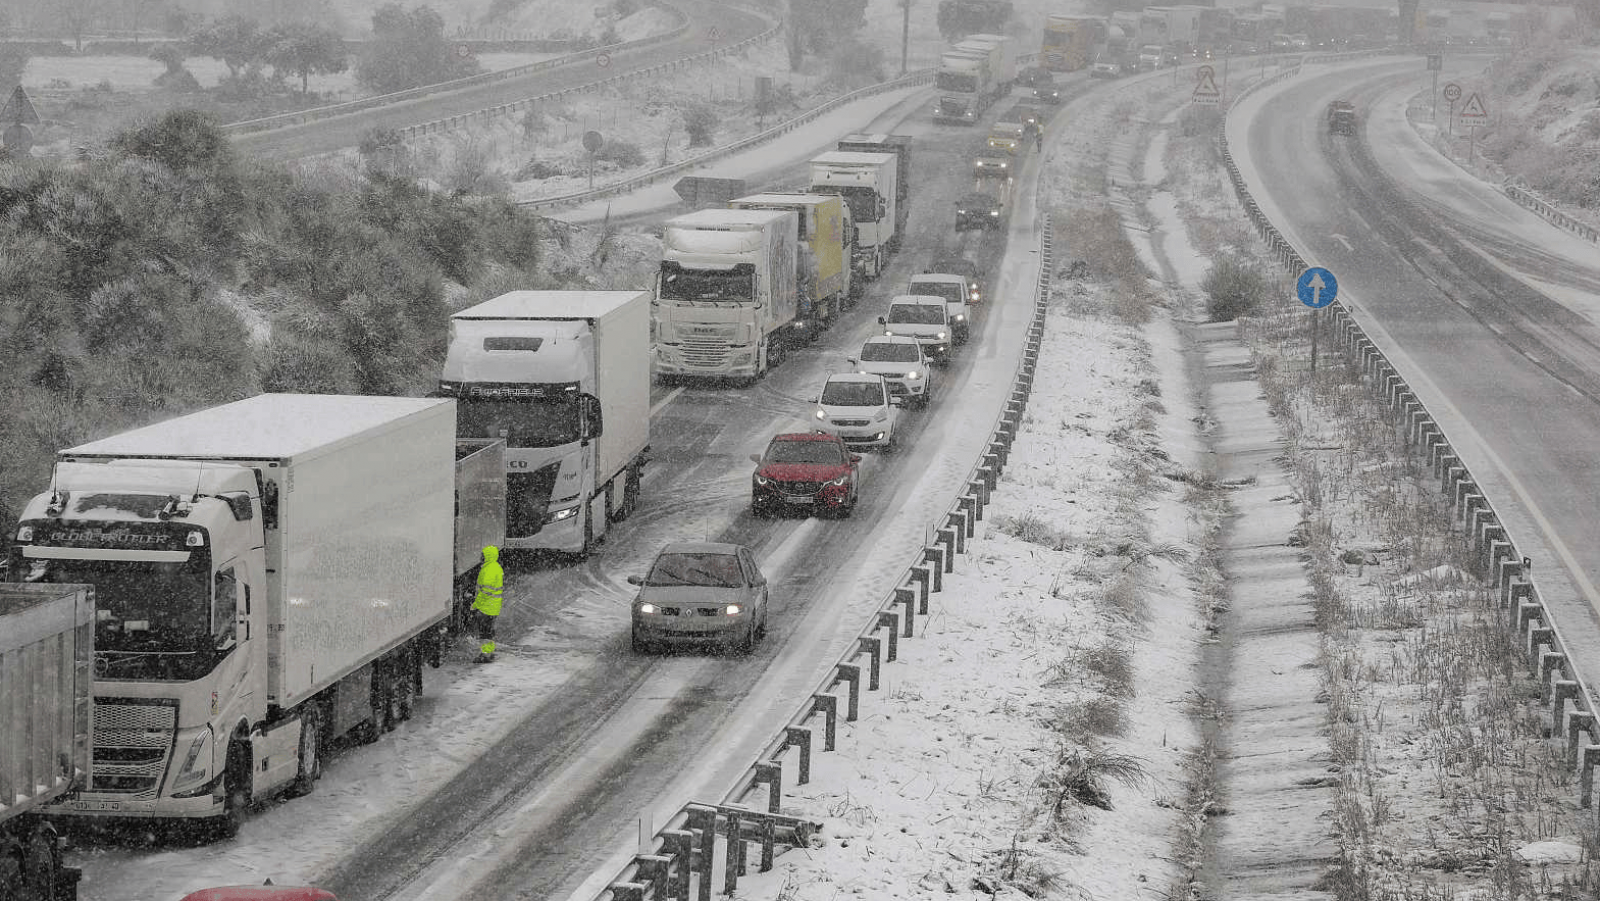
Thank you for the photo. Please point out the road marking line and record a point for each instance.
(1343, 240)
(665, 400)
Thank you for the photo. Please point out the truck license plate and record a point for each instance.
(96, 805)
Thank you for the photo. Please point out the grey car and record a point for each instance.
(700, 591)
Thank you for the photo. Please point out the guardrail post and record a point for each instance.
(829, 705)
(979, 489)
(769, 837)
(1495, 548)
(851, 673)
(957, 522)
(934, 554)
(1528, 612)
(947, 537)
(873, 645)
(734, 857)
(680, 843)
(770, 774)
(1538, 637)
(706, 857)
(1549, 663)
(969, 512)
(891, 619)
(907, 597)
(1561, 691)
(800, 737)
(1579, 722)
(1588, 757)
(1001, 451)
(627, 891)
(922, 575)
(652, 868)
(990, 471)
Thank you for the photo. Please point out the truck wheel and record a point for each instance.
(40, 867)
(310, 770)
(404, 691)
(236, 790)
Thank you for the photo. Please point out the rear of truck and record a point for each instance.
(46, 682)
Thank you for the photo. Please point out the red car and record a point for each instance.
(811, 470)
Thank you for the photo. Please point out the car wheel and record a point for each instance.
(761, 628)
(640, 646)
(748, 642)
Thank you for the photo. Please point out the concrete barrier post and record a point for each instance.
(800, 737)
(908, 598)
(1538, 637)
(1550, 662)
(733, 868)
(1587, 759)
(947, 537)
(828, 706)
(1561, 691)
(851, 674)
(627, 891)
(873, 645)
(770, 774)
(680, 844)
(1521, 603)
(891, 620)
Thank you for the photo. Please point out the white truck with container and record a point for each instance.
(46, 680)
(1002, 62)
(269, 575)
(726, 300)
(900, 146)
(826, 241)
(868, 182)
(963, 84)
(564, 378)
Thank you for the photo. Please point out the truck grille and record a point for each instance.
(711, 353)
(132, 741)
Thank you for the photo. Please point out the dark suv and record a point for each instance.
(815, 471)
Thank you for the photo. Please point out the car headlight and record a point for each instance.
(994, 212)
(648, 609)
(762, 480)
(563, 513)
(888, 334)
(913, 375)
(1004, 165)
(839, 481)
(733, 610)
(822, 414)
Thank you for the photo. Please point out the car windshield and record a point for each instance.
(950, 291)
(852, 394)
(822, 452)
(888, 352)
(917, 313)
(706, 570)
(977, 202)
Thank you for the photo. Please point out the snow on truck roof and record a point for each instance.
(719, 218)
(854, 157)
(267, 426)
(548, 305)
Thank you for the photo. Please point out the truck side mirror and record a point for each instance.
(882, 321)
(755, 458)
(592, 422)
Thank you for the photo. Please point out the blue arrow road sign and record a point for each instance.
(1317, 287)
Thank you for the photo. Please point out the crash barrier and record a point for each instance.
(922, 76)
(683, 861)
(1494, 554)
(301, 117)
(1526, 198)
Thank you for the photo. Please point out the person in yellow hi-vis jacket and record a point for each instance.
(486, 606)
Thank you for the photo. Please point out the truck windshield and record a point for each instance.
(541, 422)
(956, 83)
(917, 313)
(679, 283)
(155, 617)
(863, 201)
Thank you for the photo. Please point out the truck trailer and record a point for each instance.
(900, 146)
(1003, 63)
(826, 240)
(1071, 43)
(564, 378)
(869, 183)
(269, 575)
(46, 680)
(726, 299)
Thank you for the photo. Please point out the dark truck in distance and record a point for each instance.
(1341, 117)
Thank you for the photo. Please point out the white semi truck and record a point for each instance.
(269, 575)
(964, 84)
(46, 677)
(727, 300)
(1003, 63)
(564, 378)
(868, 182)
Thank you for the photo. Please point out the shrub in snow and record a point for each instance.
(700, 123)
(1233, 288)
(623, 154)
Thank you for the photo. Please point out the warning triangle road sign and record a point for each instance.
(19, 109)
(1207, 85)
(1473, 109)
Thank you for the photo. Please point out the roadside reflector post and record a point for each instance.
(891, 620)
(908, 598)
(771, 774)
(800, 737)
(851, 673)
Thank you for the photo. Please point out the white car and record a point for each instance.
(956, 290)
(858, 408)
(901, 363)
(923, 317)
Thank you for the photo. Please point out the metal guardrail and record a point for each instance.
(655, 175)
(687, 845)
(488, 113)
(1494, 553)
(300, 117)
(1526, 198)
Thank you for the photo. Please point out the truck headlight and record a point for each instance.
(994, 212)
(196, 762)
(563, 513)
(940, 336)
(961, 317)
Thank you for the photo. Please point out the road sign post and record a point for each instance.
(1473, 114)
(592, 142)
(1316, 288)
(1452, 93)
(1205, 89)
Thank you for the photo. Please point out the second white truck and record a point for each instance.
(564, 378)
(868, 182)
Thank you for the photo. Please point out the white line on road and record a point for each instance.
(665, 400)
(1343, 240)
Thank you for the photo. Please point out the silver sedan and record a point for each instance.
(700, 591)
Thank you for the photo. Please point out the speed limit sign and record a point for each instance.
(1452, 92)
